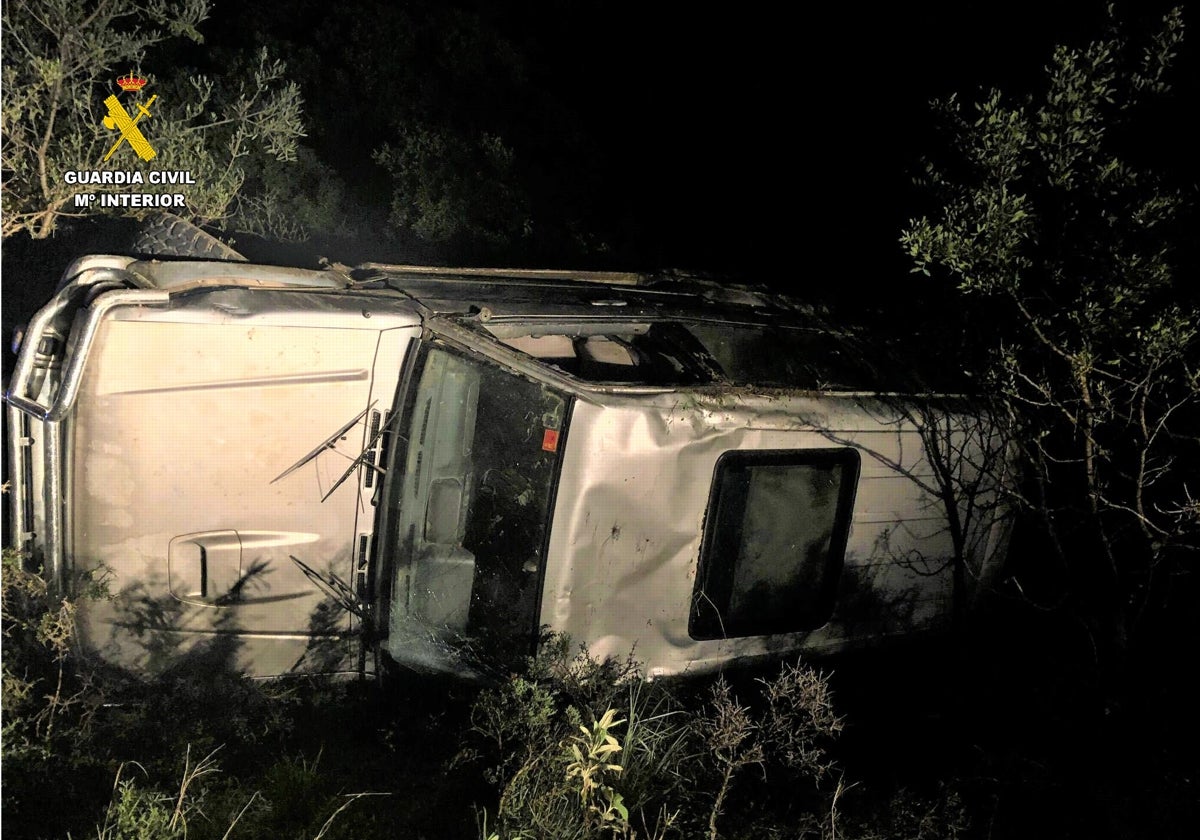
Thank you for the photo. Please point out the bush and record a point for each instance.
(73, 729)
(42, 690)
(580, 748)
(569, 748)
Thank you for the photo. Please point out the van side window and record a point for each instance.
(774, 541)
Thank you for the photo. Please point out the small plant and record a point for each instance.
(730, 735)
(40, 686)
(558, 776)
(290, 803)
(784, 731)
(138, 813)
(512, 719)
(586, 749)
(904, 815)
(800, 720)
(591, 765)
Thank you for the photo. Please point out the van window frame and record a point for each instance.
(716, 570)
(385, 549)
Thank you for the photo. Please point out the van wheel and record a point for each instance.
(167, 235)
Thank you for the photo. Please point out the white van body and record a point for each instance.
(309, 471)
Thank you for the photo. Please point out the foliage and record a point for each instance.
(137, 813)
(554, 770)
(292, 200)
(67, 723)
(249, 118)
(449, 185)
(592, 755)
(730, 733)
(291, 803)
(906, 815)
(40, 686)
(800, 721)
(59, 65)
(738, 758)
(1050, 227)
(480, 152)
(588, 749)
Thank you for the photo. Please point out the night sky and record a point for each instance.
(747, 139)
(774, 145)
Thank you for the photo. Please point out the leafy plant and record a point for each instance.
(592, 752)
(1060, 246)
(59, 64)
(138, 813)
(582, 748)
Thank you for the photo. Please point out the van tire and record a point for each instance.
(167, 235)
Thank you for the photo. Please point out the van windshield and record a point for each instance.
(467, 509)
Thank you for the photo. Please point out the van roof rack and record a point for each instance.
(615, 278)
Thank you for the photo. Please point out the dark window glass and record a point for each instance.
(653, 354)
(774, 541)
(785, 357)
(469, 501)
(691, 352)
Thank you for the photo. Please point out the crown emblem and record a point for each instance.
(131, 82)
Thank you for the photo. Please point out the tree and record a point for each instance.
(1050, 225)
(456, 93)
(482, 154)
(60, 60)
(449, 185)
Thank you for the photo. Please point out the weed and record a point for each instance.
(800, 720)
(582, 748)
(592, 752)
(139, 813)
(729, 733)
(40, 686)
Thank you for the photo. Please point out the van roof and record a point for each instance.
(552, 293)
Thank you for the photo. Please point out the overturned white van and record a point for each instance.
(431, 467)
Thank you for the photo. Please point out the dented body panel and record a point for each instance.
(633, 501)
(297, 470)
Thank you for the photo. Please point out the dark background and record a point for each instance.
(773, 144)
(748, 139)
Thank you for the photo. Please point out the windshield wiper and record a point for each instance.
(366, 457)
(333, 586)
(329, 443)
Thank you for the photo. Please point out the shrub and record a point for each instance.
(42, 690)
(581, 748)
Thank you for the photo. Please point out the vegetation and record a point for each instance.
(896, 746)
(61, 61)
(1089, 345)
(570, 747)
(450, 135)
(1058, 248)
(587, 749)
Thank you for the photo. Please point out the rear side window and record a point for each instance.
(774, 541)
